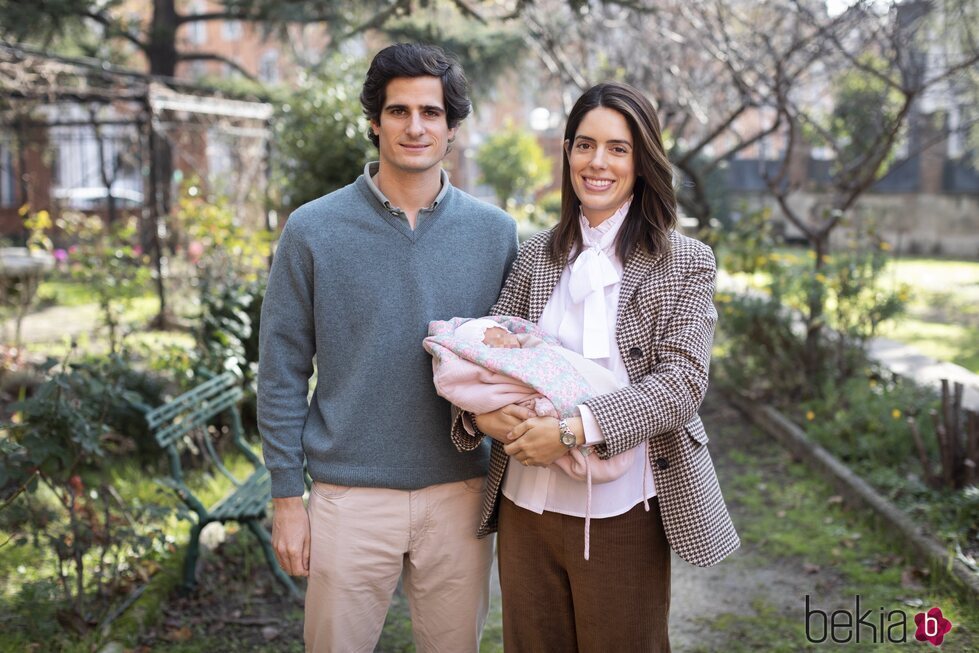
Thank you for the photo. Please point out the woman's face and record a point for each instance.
(603, 169)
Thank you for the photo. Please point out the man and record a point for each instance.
(358, 275)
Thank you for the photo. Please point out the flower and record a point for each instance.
(885, 246)
(137, 251)
(195, 250)
(810, 415)
(60, 255)
(896, 413)
(932, 627)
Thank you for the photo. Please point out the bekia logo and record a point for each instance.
(877, 626)
(932, 627)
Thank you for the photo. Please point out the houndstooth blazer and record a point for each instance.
(664, 328)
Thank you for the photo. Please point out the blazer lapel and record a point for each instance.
(546, 275)
(636, 268)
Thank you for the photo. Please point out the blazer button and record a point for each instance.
(662, 463)
(635, 353)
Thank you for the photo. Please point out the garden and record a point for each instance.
(141, 196)
(94, 536)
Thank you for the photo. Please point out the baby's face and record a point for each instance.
(497, 337)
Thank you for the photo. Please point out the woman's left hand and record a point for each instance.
(537, 442)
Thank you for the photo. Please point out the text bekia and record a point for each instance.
(844, 626)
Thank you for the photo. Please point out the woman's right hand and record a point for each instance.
(501, 421)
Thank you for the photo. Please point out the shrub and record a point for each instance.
(865, 423)
(854, 303)
(513, 164)
(760, 350)
(58, 495)
(108, 261)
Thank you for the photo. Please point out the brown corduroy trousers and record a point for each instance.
(555, 601)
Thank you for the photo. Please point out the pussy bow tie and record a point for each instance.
(591, 273)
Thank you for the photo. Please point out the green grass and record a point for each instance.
(942, 319)
(62, 292)
(27, 612)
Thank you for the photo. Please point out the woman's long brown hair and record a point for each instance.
(652, 215)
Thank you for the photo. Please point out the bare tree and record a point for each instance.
(714, 69)
(882, 66)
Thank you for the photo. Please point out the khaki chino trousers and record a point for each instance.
(364, 539)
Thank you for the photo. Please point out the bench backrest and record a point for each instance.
(193, 409)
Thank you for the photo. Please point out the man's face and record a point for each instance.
(413, 131)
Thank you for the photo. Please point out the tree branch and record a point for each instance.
(113, 30)
(210, 56)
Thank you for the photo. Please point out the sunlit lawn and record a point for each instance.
(943, 313)
(942, 319)
(137, 314)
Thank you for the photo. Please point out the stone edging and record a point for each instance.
(855, 489)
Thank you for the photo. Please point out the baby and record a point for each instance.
(481, 384)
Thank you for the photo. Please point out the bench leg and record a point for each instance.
(190, 559)
(266, 542)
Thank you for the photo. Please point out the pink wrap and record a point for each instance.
(540, 375)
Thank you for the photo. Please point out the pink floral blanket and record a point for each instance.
(540, 374)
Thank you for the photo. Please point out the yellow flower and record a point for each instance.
(873, 383)
(810, 415)
(896, 414)
(886, 246)
(821, 278)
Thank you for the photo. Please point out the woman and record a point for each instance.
(614, 281)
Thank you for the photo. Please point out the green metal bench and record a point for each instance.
(171, 424)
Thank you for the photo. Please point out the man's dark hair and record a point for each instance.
(415, 60)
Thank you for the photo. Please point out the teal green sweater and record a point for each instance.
(353, 286)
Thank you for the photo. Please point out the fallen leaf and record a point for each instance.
(180, 634)
(810, 568)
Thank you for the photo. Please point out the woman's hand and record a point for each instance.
(499, 423)
(537, 441)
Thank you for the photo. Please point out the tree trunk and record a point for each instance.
(815, 308)
(161, 51)
(161, 47)
(693, 197)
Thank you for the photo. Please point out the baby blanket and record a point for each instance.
(542, 375)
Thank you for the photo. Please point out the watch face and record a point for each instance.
(567, 438)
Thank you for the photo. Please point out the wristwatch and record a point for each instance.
(568, 438)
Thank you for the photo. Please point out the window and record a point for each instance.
(231, 30)
(197, 29)
(268, 67)
(6, 176)
(196, 69)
